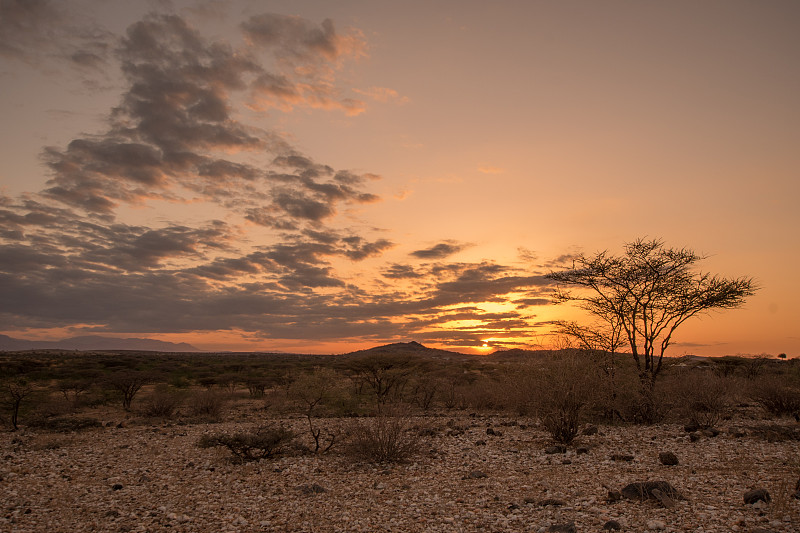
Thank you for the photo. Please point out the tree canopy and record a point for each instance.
(648, 291)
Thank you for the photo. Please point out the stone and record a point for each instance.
(621, 457)
(710, 432)
(552, 502)
(476, 474)
(563, 528)
(581, 450)
(668, 458)
(757, 495)
(480, 442)
(556, 448)
(656, 525)
(566, 462)
(643, 490)
(664, 499)
(612, 525)
(116, 486)
(311, 489)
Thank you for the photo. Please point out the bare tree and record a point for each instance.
(649, 291)
(14, 391)
(384, 374)
(321, 386)
(128, 383)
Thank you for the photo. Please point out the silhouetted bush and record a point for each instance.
(703, 396)
(261, 443)
(563, 390)
(777, 396)
(207, 404)
(162, 403)
(384, 438)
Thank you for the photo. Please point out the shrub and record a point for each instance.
(564, 389)
(66, 424)
(261, 443)
(161, 404)
(384, 438)
(777, 396)
(705, 397)
(207, 404)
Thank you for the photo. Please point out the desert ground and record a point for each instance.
(472, 472)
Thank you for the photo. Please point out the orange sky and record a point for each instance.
(327, 176)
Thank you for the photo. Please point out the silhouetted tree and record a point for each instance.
(650, 290)
(14, 391)
(128, 383)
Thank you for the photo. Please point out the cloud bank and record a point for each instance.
(269, 263)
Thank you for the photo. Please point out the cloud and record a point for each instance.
(488, 169)
(268, 262)
(440, 251)
(35, 31)
(383, 95)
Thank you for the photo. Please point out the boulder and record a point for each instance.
(668, 458)
(757, 495)
(643, 490)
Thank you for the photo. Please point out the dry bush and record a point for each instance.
(704, 397)
(777, 396)
(384, 438)
(563, 390)
(207, 404)
(162, 403)
(260, 443)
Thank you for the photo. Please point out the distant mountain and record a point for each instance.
(408, 348)
(94, 342)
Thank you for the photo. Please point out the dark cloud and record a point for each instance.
(440, 251)
(271, 268)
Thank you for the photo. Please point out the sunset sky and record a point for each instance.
(321, 176)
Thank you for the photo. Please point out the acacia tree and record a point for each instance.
(649, 291)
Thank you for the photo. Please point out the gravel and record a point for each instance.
(153, 477)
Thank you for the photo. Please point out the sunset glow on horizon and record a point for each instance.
(322, 177)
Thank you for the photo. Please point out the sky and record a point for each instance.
(320, 177)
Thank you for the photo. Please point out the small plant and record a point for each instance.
(207, 404)
(384, 438)
(563, 392)
(261, 443)
(706, 397)
(777, 396)
(161, 404)
(128, 383)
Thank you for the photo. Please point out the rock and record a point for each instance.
(668, 458)
(563, 528)
(710, 432)
(643, 490)
(590, 430)
(757, 495)
(116, 486)
(580, 450)
(475, 474)
(556, 448)
(656, 525)
(614, 496)
(612, 525)
(566, 462)
(664, 499)
(513, 507)
(494, 432)
(308, 490)
(480, 442)
(621, 457)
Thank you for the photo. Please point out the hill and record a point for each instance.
(95, 342)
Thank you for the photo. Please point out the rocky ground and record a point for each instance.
(474, 473)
